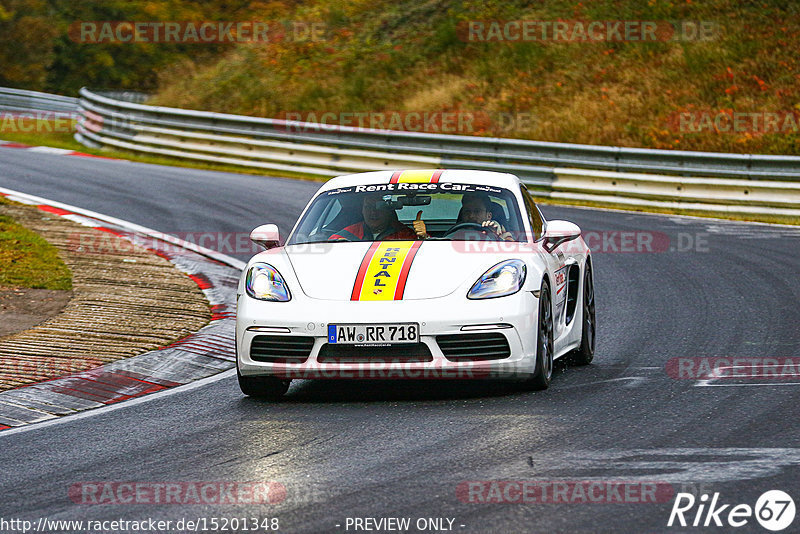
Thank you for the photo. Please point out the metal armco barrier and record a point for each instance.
(694, 181)
(19, 100)
(721, 195)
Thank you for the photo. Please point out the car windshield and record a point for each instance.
(450, 211)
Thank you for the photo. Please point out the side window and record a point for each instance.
(535, 218)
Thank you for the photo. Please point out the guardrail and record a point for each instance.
(779, 199)
(452, 149)
(20, 100)
(693, 181)
(734, 183)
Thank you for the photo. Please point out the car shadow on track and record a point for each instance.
(396, 390)
(383, 389)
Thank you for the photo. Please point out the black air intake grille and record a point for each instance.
(335, 353)
(474, 347)
(281, 349)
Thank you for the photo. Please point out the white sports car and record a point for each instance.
(415, 274)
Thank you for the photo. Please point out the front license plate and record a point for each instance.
(373, 334)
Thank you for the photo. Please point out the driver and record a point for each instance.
(475, 209)
(380, 223)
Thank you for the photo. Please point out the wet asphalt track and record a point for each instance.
(399, 448)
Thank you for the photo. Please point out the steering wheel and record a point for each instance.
(472, 226)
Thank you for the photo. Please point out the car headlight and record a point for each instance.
(264, 282)
(505, 278)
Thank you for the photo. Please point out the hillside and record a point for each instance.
(727, 80)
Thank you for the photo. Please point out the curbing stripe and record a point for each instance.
(52, 150)
(201, 355)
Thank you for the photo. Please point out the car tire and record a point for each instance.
(585, 353)
(263, 387)
(544, 343)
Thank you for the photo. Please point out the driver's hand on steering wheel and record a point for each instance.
(497, 228)
(419, 226)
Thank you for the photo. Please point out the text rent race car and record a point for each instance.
(415, 274)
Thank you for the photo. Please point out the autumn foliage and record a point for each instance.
(403, 56)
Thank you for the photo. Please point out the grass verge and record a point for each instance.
(27, 260)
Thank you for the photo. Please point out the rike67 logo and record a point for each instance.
(774, 510)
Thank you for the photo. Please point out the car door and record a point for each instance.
(555, 263)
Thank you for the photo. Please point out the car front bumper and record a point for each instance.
(514, 316)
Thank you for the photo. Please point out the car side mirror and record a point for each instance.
(558, 232)
(266, 235)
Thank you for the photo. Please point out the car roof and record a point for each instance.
(496, 179)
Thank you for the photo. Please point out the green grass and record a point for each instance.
(52, 139)
(27, 260)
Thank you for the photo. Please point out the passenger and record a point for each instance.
(380, 223)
